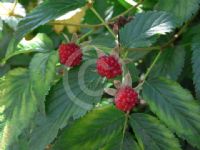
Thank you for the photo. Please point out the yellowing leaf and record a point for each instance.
(72, 17)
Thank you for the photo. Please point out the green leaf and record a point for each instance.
(133, 71)
(152, 134)
(40, 43)
(181, 9)
(129, 143)
(196, 64)
(103, 40)
(94, 131)
(4, 69)
(83, 85)
(106, 9)
(175, 106)
(136, 55)
(19, 102)
(37, 17)
(170, 63)
(141, 31)
(189, 34)
(43, 68)
(59, 109)
(80, 89)
(5, 36)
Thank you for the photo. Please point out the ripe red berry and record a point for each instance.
(70, 54)
(108, 66)
(126, 98)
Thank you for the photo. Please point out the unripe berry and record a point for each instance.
(70, 54)
(108, 66)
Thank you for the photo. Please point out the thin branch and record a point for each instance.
(152, 65)
(104, 23)
(124, 129)
(74, 24)
(127, 11)
(96, 25)
(85, 35)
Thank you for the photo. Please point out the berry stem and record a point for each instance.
(85, 35)
(152, 65)
(104, 23)
(138, 88)
(124, 129)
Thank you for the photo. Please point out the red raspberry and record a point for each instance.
(126, 98)
(70, 54)
(108, 66)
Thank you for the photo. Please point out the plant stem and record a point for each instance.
(85, 35)
(74, 24)
(4, 60)
(144, 49)
(152, 65)
(124, 129)
(138, 87)
(127, 11)
(103, 22)
(95, 25)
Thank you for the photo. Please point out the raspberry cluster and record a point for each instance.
(126, 98)
(70, 54)
(108, 66)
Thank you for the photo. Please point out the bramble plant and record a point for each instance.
(99, 75)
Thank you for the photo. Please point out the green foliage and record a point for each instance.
(170, 64)
(175, 106)
(84, 85)
(43, 68)
(19, 102)
(141, 31)
(94, 131)
(181, 9)
(196, 63)
(37, 17)
(5, 37)
(40, 43)
(59, 110)
(47, 105)
(149, 131)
